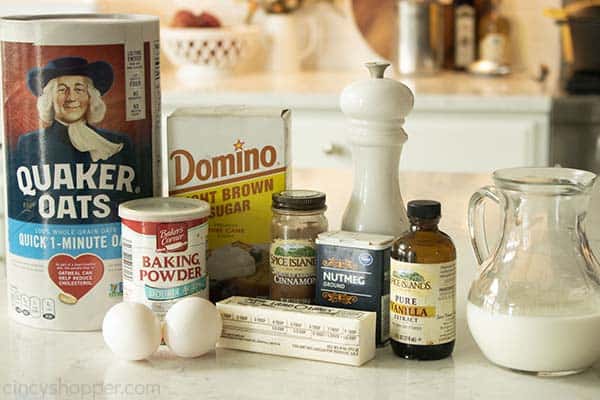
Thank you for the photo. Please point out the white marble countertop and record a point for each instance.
(446, 91)
(79, 366)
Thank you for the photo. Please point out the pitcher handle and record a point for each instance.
(476, 220)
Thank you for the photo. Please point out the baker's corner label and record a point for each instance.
(171, 237)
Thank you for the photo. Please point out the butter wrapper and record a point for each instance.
(298, 330)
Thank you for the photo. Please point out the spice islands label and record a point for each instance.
(293, 262)
(422, 303)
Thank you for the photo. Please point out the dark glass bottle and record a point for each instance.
(494, 36)
(465, 40)
(423, 287)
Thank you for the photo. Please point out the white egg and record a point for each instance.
(132, 331)
(192, 327)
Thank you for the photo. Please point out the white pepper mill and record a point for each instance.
(376, 108)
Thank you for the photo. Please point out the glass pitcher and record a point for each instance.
(535, 305)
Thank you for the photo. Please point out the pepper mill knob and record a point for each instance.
(377, 99)
(377, 69)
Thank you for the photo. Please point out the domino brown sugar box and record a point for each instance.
(235, 158)
(298, 218)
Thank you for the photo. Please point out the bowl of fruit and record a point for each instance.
(199, 45)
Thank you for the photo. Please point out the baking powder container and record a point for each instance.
(81, 116)
(164, 250)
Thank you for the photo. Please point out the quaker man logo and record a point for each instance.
(241, 160)
(69, 94)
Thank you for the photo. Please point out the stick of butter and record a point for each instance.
(297, 330)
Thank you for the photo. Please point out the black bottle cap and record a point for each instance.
(425, 209)
(300, 200)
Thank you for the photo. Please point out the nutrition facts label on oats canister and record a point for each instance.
(297, 330)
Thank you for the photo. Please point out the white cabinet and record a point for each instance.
(459, 123)
(320, 139)
(475, 142)
(458, 141)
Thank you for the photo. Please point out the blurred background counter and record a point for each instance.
(300, 55)
(460, 123)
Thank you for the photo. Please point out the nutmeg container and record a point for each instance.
(353, 271)
(81, 115)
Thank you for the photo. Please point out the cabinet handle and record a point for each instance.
(329, 148)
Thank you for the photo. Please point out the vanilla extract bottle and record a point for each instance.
(423, 287)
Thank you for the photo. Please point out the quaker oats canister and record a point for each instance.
(164, 250)
(81, 115)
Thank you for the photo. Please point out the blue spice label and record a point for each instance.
(355, 278)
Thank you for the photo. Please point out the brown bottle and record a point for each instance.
(448, 22)
(494, 36)
(465, 21)
(423, 287)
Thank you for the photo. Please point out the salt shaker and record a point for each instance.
(376, 108)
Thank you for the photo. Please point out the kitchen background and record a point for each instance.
(464, 126)
(461, 122)
(534, 37)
